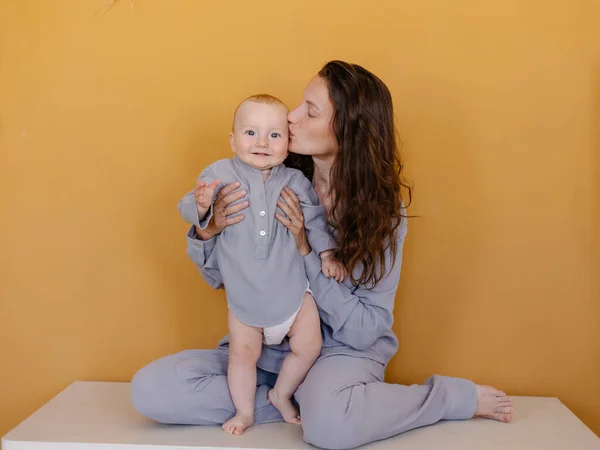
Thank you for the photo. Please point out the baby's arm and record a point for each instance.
(204, 256)
(315, 224)
(202, 252)
(204, 194)
(196, 206)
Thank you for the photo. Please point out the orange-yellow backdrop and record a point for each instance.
(105, 121)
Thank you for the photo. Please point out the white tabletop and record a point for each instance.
(98, 415)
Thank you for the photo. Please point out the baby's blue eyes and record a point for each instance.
(273, 135)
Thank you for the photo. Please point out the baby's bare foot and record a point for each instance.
(286, 407)
(493, 404)
(238, 423)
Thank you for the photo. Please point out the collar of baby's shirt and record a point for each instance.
(247, 169)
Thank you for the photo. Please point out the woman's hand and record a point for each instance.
(223, 210)
(294, 220)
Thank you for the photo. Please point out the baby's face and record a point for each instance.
(260, 134)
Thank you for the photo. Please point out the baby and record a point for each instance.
(268, 294)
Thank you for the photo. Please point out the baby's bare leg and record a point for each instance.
(245, 345)
(305, 344)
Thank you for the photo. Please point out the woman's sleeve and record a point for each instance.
(358, 318)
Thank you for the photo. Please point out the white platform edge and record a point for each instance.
(463, 435)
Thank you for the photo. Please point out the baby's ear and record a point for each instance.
(232, 142)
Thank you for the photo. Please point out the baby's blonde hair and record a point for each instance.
(258, 98)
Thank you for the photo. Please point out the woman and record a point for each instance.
(345, 127)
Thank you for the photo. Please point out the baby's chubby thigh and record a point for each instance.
(305, 333)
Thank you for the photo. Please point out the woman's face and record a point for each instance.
(311, 132)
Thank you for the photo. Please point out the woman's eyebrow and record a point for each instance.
(313, 104)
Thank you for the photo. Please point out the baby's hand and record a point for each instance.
(204, 194)
(331, 267)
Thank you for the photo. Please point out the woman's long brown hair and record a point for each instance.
(367, 175)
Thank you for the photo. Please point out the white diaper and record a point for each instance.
(274, 335)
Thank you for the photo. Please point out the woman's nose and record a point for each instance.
(291, 117)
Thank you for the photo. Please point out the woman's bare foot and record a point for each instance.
(493, 404)
(286, 407)
(238, 423)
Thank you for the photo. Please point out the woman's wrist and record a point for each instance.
(305, 250)
(205, 234)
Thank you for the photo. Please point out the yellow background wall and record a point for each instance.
(105, 121)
